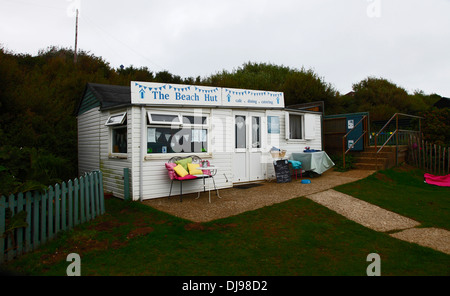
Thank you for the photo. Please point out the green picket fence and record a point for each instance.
(28, 220)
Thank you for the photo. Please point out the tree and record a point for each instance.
(436, 126)
(299, 86)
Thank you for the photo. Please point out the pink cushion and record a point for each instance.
(187, 177)
(173, 175)
(169, 167)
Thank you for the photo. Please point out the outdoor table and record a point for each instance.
(211, 169)
(317, 162)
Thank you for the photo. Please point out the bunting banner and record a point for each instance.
(151, 93)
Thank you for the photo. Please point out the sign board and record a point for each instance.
(151, 93)
(350, 124)
(282, 171)
(251, 98)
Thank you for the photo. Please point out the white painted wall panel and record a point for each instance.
(156, 182)
(88, 141)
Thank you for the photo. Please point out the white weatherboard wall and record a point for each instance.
(156, 182)
(112, 165)
(94, 150)
(95, 138)
(88, 141)
(312, 131)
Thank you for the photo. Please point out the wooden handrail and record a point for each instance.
(396, 132)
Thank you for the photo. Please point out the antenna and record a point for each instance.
(76, 39)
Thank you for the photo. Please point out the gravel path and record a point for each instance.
(382, 220)
(235, 201)
(436, 238)
(362, 212)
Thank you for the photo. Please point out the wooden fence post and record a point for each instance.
(36, 202)
(2, 227)
(70, 206)
(28, 207)
(56, 209)
(102, 194)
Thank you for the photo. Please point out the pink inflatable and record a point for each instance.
(437, 180)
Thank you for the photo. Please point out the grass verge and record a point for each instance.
(402, 190)
(297, 237)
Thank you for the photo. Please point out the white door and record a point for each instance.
(249, 131)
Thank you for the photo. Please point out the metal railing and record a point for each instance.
(395, 133)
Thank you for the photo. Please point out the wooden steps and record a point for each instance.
(369, 160)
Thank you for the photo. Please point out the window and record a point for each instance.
(301, 126)
(189, 137)
(256, 132)
(240, 131)
(119, 133)
(294, 126)
(116, 119)
(119, 140)
(155, 118)
(194, 120)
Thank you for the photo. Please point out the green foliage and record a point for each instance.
(382, 99)
(299, 86)
(339, 162)
(15, 221)
(436, 126)
(27, 169)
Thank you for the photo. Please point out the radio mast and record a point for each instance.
(76, 39)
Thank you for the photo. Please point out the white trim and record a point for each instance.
(113, 121)
(173, 122)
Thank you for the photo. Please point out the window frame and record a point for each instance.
(288, 126)
(180, 125)
(157, 122)
(122, 124)
(122, 120)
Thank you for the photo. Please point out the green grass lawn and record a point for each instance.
(297, 237)
(402, 190)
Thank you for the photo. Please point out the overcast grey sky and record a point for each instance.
(405, 41)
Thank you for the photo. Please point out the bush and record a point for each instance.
(436, 126)
(25, 169)
(339, 163)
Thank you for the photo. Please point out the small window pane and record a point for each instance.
(176, 140)
(163, 118)
(256, 132)
(295, 126)
(119, 140)
(116, 119)
(240, 132)
(198, 120)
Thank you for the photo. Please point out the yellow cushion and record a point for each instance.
(179, 169)
(193, 169)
